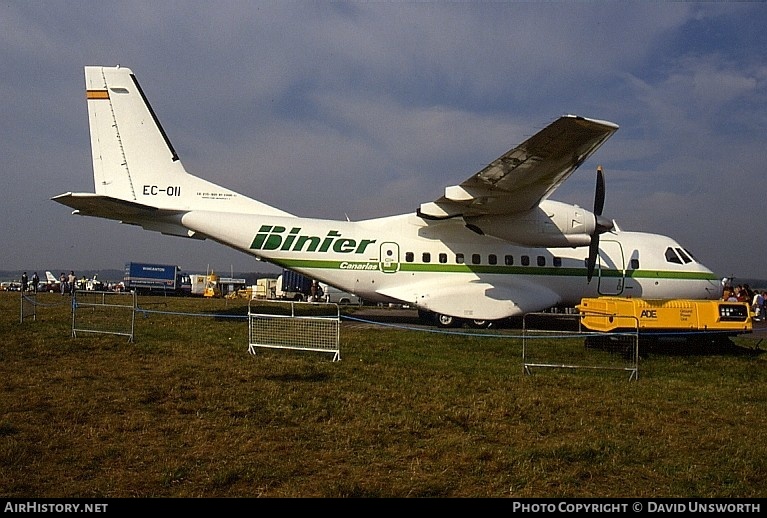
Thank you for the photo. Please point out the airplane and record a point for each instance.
(51, 279)
(51, 283)
(492, 247)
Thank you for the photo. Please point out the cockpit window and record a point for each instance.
(690, 254)
(672, 257)
(685, 257)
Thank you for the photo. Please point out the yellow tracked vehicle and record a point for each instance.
(667, 316)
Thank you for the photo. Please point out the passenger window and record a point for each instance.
(492, 259)
(634, 264)
(443, 258)
(508, 260)
(557, 261)
(459, 258)
(426, 257)
(525, 260)
(409, 256)
(475, 259)
(672, 257)
(541, 261)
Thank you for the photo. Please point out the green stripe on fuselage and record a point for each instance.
(495, 270)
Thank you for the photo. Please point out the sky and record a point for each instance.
(365, 109)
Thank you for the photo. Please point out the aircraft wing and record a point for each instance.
(524, 176)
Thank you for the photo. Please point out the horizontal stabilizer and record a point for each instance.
(100, 206)
(130, 212)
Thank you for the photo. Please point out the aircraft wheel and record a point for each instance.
(480, 324)
(446, 321)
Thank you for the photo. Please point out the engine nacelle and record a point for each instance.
(551, 224)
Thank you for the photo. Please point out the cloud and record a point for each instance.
(368, 109)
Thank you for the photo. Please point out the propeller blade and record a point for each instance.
(602, 225)
(592, 260)
(599, 195)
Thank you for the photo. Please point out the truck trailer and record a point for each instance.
(147, 278)
(293, 286)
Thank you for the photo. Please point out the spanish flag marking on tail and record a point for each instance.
(97, 94)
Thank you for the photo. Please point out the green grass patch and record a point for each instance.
(186, 411)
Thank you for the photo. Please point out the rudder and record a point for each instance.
(129, 147)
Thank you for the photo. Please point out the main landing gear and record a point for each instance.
(448, 321)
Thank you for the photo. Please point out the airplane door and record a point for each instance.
(611, 268)
(389, 258)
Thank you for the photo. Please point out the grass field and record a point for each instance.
(185, 411)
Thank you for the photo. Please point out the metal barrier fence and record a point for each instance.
(31, 301)
(302, 326)
(28, 306)
(570, 346)
(104, 312)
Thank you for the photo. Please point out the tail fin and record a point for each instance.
(133, 159)
(129, 147)
(50, 278)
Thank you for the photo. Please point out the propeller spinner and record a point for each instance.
(602, 224)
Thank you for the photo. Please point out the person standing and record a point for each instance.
(764, 305)
(314, 295)
(72, 282)
(35, 282)
(24, 282)
(63, 284)
(757, 306)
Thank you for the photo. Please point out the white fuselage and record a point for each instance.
(431, 264)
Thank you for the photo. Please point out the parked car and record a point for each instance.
(331, 294)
